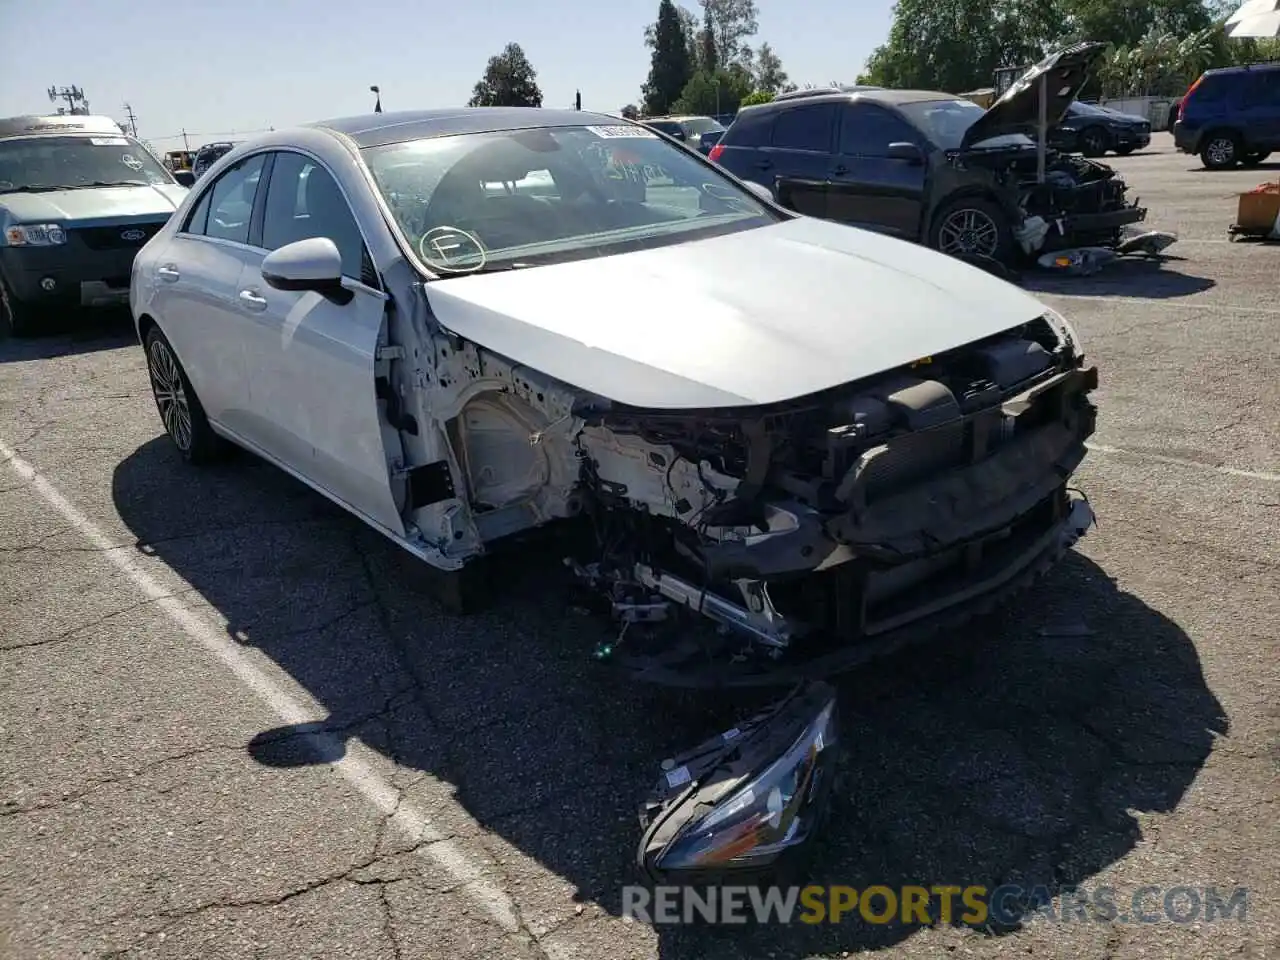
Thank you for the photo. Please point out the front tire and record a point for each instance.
(179, 408)
(1221, 151)
(1094, 141)
(972, 228)
(17, 318)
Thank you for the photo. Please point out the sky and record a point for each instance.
(227, 69)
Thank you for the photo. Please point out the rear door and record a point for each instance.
(868, 188)
(198, 275)
(1259, 104)
(311, 363)
(797, 161)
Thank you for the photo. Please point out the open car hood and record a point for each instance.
(750, 318)
(1018, 109)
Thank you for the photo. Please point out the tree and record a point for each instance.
(770, 77)
(756, 96)
(708, 56)
(709, 94)
(630, 112)
(509, 81)
(732, 23)
(688, 24)
(670, 67)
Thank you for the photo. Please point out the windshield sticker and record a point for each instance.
(614, 132)
(130, 161)
(453, 250)
(109, 141)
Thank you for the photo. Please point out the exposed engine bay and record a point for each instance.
(804, 537)
(1080, 202)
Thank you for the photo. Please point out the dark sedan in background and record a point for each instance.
(1094, 131)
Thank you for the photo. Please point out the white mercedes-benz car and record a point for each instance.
(462, 325)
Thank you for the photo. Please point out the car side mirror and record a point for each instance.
(311, 264)
(185, 177)
(760, 190)
(907, 152)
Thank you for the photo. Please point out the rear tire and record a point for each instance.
(972, 228)
(179, 408)
(17, 317)
(1221, 151)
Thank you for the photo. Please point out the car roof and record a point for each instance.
(378, 129)
(872, 95)
(31, 125)
(1243, 68)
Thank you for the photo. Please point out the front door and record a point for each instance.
(311, 361)
(869, 188)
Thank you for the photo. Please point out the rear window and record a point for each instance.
(1212, 88)
(700, 125)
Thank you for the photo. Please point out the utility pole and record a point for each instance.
(76, 102)
(133, 119)
(185, 143)
(577, 100)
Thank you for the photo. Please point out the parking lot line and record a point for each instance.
(1182, 462)
(402, 816)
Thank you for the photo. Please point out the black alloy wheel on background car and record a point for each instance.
(1094, 141)
(1220, 151)
(180, 410)
(972, 228)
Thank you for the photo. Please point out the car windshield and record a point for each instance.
(945, 122)
(519, 198)
(700, 125)
(1087, 110)
(60, 163)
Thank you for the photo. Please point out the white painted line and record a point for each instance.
(404, 817)
(1182, 462)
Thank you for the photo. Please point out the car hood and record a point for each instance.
(1018, 109)
(90, 205)
(755, 317)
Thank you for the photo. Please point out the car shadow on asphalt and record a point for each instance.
(1144, 279)
(1011, 753)
(75, 333)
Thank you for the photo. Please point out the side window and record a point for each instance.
(1261, 89)
(749, 129)
(199, 215)
(303, 201)
(867, 130)
(806, 128)
(231, 200)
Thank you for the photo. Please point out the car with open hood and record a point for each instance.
(78, 199)
(771, 447)
(936, 168)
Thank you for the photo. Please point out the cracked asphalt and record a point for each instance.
(235, 724)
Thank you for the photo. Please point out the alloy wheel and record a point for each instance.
(170, 393)
(969, 232)
(1094, 143)
(1221, 151)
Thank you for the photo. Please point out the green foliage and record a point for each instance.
(770, 77)
(670, 66)
(708, 94)
(708, 55)
(755, 97)
(509, 81)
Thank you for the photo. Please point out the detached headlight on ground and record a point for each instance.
(35, 235)
(743, 801)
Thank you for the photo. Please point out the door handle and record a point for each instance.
(764, 164)
(252, 300)
(167, 272)
(839, 169)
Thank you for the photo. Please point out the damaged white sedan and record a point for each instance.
(789, 444)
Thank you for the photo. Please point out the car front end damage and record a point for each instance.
(776, 546)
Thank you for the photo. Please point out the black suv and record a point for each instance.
(1231, 116)
(934, 168)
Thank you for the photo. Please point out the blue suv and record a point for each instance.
(1231, 116)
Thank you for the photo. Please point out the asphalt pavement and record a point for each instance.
(235, 724)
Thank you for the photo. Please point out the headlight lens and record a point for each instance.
(35, 235)
(772, 812)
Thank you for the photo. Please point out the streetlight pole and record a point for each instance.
(377, 105)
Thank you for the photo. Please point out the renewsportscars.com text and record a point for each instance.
(918, 905)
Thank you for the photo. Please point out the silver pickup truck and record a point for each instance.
(78, 199)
